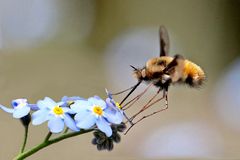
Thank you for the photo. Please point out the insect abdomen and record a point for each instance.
(193, 75)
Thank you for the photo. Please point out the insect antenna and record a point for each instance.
(135, 69)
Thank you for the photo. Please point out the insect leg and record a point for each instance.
(147, 105)
(131, 102)
(135, 99)
(166, 107)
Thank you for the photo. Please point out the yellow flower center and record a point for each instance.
(58, 110)
(98, 110)
(118, 105)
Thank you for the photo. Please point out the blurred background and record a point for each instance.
(80, 47)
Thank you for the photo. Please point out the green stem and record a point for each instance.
(48, 136)
(66, 130)
(25, 139)
(49, 142)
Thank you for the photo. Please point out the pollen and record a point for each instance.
(58, 110)
(118, 105)
(98, 110)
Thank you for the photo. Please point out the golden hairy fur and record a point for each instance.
(185, 71)
(194, 71)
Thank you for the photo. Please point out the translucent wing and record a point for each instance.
(175, 68)
(164, 41)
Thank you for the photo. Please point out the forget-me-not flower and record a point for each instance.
(56, 115)
(91, 112)
(114, 108)
(21, 108)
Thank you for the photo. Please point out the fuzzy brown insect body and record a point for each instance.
(159, 72)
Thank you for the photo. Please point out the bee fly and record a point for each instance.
(161, 72)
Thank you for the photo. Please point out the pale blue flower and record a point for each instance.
(56, 115)
(20, 108)
(114, 108)
(67, 101)
(91, 112)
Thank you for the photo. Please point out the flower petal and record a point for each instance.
(18, 103)
(80, 105)
(80, 116)
(33, 107)
(56, 124)
(46, 103)
(115, 117)
(110, 103)
(40, 116)
(68, 110)
(74, 98)
(60, 104)
(8, 110)
(70, 123)
(19, 113)
(85, 121)
(67, 101)
(97, 101)
(104, 126)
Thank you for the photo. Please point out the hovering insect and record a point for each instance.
(162, 72)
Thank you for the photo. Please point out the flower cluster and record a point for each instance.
(75, 113)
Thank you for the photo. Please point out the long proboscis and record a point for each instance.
(125, 90)
(133, 89)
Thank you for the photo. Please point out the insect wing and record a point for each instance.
(164, 41)
(175, 68)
